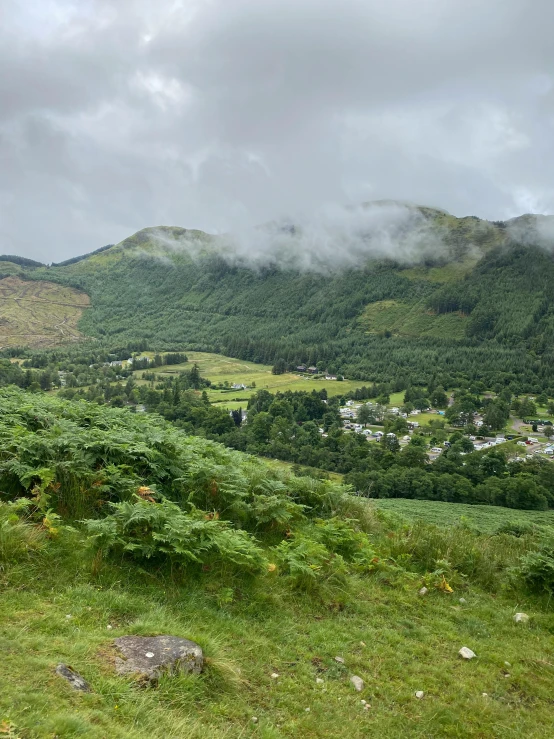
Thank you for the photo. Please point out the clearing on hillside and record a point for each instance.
(39, 313)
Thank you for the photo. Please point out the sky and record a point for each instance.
(222, 114)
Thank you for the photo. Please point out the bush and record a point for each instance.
(537, 568)
(148, 530)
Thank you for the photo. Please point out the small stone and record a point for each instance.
(485, 695)
(69, 615)
(363, 702)
(254, 719)
(521, 618)
(109, 626)
(340, 660)
(367, 707)
(319, 681)
(463, 601)
(307, 710)
(362, 644)
(506, 674)
(419, 694)
(507, 664)
(274, 675)
(466, 653)
(149, 655)
(423, 591)
(357, 682)
(73, 678)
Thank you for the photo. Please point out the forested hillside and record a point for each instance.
(480, 305)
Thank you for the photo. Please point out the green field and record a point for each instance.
(220, 369)
(486, 519)
(411, 319)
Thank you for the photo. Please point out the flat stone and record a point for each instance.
(148, 657)
(73, 678)
(357, 682)
(466, 653)
(521, 618)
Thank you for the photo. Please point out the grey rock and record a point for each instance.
(148, 657)
(466, 653)
(73, 678)
(423, 591)
(340, 660)
(357, 682)
(521, 618)
(463, 601)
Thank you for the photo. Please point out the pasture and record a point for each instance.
(220, 369)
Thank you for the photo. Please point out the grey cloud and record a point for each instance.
(221, 115)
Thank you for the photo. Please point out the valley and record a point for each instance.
(315, 474)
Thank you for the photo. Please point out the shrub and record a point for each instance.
(537, 568)
(309, 563)
(148, 530)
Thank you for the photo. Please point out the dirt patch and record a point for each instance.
(38, 313)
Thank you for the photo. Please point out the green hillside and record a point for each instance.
(480, 306)
(115, 524)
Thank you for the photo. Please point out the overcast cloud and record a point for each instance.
(220, 114)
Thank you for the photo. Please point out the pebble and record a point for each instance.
(307, 710)
(319, 681)
(419, 694)
(423, 591)
(149, 654)
(68, 615)
(466, 653)
(357, 682)
(521, 618)
(507, 664)
(254, 719)
(485, 695)
(340, 660)
(367, 707)
(363, 702)
(362, 644)
(109, 626)
(463, 601)
(275, 675)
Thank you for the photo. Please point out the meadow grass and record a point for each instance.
(483, 518)
(57, 605)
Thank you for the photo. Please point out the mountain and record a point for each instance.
(391, 293)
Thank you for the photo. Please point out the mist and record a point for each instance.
(330, 239)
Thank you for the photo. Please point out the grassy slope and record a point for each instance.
(486, 519)
(38, 313)
(248, 632)
(57, 600)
